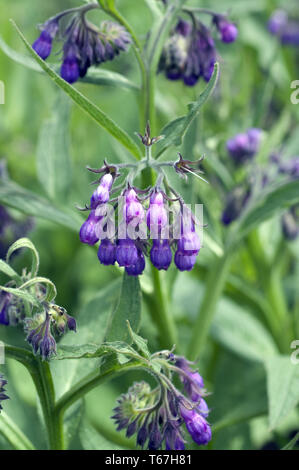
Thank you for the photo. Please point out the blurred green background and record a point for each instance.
(254, 90)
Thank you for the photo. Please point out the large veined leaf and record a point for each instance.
(95, 76)
(128, 309)
(241, 333)
(92, 322)
(92, 440)
(175, 131)
(283, 388)
(13, 195)
(269, 202)
(84, 103)
(54, 164)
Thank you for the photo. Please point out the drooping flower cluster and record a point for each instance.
(84, 44)
(190, 52)
(243, 147)
(284, 27)
(39, 329)
(3, 395)
(145, 226)
(158, 416)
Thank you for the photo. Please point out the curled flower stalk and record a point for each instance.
(158, 417)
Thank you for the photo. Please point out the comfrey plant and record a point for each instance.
(146, 227)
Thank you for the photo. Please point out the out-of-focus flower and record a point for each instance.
(284, 27)
(290, 224)
(245, 145)
(228, 31)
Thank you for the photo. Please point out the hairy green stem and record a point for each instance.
(89, 382)
(42, 378)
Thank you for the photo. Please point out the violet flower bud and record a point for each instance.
(197, 426)
(70, 70)
(138, 267)
(126, 253)
(161, 254)
(102, 193)
(107, 252)
(88, 230)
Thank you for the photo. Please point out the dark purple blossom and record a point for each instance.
(43, 44)
(107, 252)
(244, 146)
(126, 253)
(138, 267)
(84, 44)
(228, 31)
(5, 300)
(197, 426)
(88, 230)
(161, 254)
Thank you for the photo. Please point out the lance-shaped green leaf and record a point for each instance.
(27, 202)
(13, 434)
(283, 388)
(175, 131)
(269, 202)
(54, 164)
(84, 103)
(128, 309)
(25, 243)
(6, 269)
(95, 76)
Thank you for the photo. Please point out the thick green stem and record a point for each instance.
(42, 378)
(214, 287)
(161, 314)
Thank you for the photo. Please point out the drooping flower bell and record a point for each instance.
(188, 245)
(43, 44)
(156, 216)
(107, 252)
(88, 231)
(3, 395)
(139, 266)
(133, 209)
(11, 309)
(228, 31)
(244, 146)
(126, 253)
(84, 44)
(39, 329)
(161, 254)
